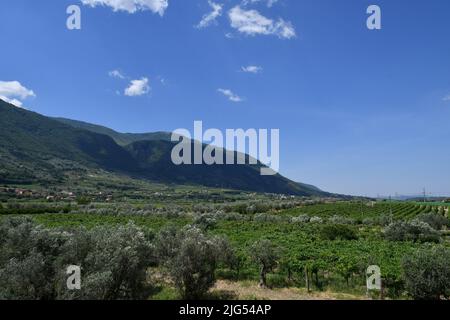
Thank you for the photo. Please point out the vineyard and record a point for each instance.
(363, 210)
(322, 245)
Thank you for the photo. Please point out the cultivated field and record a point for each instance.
(293, 247)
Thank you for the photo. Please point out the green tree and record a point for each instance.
(435, 220)
(191, 259)
(205, 221)
(114, 262)
(33, 261)
(266, 255)
(427, 273)
(416, 230)
(27, 260)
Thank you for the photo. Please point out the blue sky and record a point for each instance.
(359, 111)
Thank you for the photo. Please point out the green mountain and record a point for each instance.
(154, 159)
(39, 149)
(121, 138)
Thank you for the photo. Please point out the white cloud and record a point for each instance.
(116, 74)
(131, 6)
(251, 22)
(12, 91)
(15, 89)
(252, 69)
(447, 98)
(230, 95)
(14, 102)
(137, 88)
(211, 17)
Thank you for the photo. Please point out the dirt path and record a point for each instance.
(251, 291)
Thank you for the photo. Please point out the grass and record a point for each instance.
(252, 291)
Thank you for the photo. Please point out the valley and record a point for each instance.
(140, 227)
(322, 244)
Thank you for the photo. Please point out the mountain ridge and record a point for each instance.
(37, 148)
(120, 137)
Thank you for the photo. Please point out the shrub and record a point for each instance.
(435, 220)
(385, 220)
(338, 232)
(341, 220)
(304, 218)
(83, 200)
(264, 217)
(415, 230)
(317, 220)
(368, 221)
(232, 216)
(427, 273)
(205, 221)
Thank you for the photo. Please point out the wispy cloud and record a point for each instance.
(116, 74)
(252, 69)
(131, 6)
(447, 98)
(269, 3)
(230, 95)
(138, 87)
(251, 22)
(211, 17)
(12, 91)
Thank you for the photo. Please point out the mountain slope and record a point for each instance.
(38, 149)
(120, 138)
(152, 151)
(34, 147)
(154, 159)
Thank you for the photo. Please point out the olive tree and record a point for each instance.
(416, 230)
(228, 256)
(436, 220)
(191, 259)
(27, 260)
(205, 221)
(427, 273)
(33, 261)
(266, 255)
(114, 262)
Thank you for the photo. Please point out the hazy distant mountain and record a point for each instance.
(39, 149)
